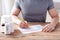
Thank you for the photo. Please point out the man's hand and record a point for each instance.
(55, 19)
(48, 28)
(23, 24)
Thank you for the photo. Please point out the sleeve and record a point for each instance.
(16, 4)
(50, 4)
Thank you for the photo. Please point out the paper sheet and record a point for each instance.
(31, 29)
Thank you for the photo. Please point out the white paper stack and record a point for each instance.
(31, 29)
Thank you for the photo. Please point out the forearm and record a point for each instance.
(55, 18)
(54, 21)
(15, 12)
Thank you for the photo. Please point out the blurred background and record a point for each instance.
(6, 6)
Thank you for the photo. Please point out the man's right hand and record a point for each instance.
(23, 24)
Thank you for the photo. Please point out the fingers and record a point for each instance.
(45, 28)
(26, 23)
(23, 25)
(48, 28)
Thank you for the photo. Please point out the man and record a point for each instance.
(35, 11)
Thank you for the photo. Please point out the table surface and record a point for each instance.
(17, 35)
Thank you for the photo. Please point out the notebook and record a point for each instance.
(31, 29)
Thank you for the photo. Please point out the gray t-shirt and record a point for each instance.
(34, 10)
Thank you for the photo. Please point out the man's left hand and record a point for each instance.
(48, 28)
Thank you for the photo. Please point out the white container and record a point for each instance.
(7, 24)
(2, 28)
(8, 28)
(6, 19)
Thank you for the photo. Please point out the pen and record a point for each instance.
(22, 20)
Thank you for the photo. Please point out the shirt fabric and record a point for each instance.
(34, 10)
